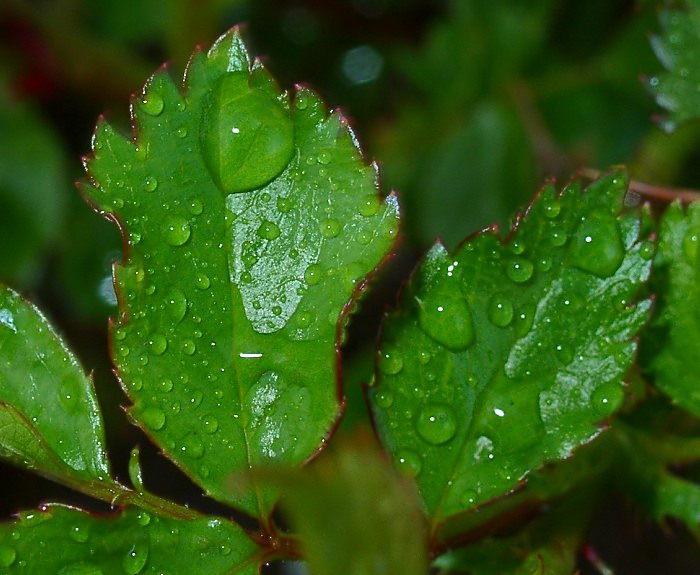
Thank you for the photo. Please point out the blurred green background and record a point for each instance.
(468, 106)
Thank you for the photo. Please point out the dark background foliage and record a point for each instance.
(469, 105)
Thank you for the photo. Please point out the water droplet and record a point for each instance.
(188, 346)
(552, 208)
(135, 560)
(523, 321)
(242, 155)
(157, 344)
(597, 246)
(517, 248)
(196, 207)
(408, 462)
(606, 398)
(519, 270)
(436, 423)
(557, 236)
(324, 158)
(690, 246)
(302, 100)
(646, 250)
(202, 281)
(564, 353)
(143, 518)
(196, 399)
(150, 184)
(369, 205)
(210, 424)
(390, 362)
(176, 231)
(175, 305)
(469, 498)
(330, 228)
(192, 446)
(268, 230)
(181, 132)
(284, 204)
(384, 398)
(153, 417)
(7, 555)
(445, 317)
(472, 380)
(166, 386)
(152, 104)
(312, 275)
(68, 394)
(79, 534)
(500, 310)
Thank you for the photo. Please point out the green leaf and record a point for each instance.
(510, 353)
(66, 541)
(672, 341)
(678, 49)
(244, 247)
(351, 509)
(49, 417)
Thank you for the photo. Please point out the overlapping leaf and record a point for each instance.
(65, 541)
(509, 354)
(672, 342)
(678, 49)
(49, 417)
(250, 221)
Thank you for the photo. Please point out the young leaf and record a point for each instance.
(509, 353)
(672, 341)
(67, 541)
(250, 223)
(678, 49)
(49, 417)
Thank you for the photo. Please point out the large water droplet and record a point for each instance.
(500, 310)
(192, 446)
(384, 398)
(157, 344)
(597, 246)
(369, 205)
(7, 555)
(445, 317)
(436, 423)
(175, 305)
(135, 559)
(247, 136)
(606, 398)
(150, 184)
(408, 462)
(210, 424)
(268, 230)
(143, 518)
(330, 228)
(519, 269)
(153, 417)
(176, 231)
(312, 275)
(390, 362)
(152, 104)
(202, 281)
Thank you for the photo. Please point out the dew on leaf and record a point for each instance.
(175, 305)
(469, 498)
(500, 310)
(247, 136)
(519, 270)
(552, 208)
(646, 250)
(690, 246)
(79, 534)
(192, 446)
(324, 158)
(446, 318)
(517, 248)
(390, 362)
(176, 230)
(210, 424)
(202, 281)
(597, 246)
(181, 132)
(312, 275)
(330, 228)
(157, 344)
(152, 104)
(284, 204)
(143, 518)
(150, 184)
(68, 394)
(153, 417)
(384, 398)
(408, 462)
(606, 398)
(369, 205)
(135, 559)
(196, 399)
(436, 423)
(196, 207)
(268, 230)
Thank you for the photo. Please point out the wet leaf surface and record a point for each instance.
(511, 353)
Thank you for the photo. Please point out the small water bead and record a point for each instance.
(157, 344)
(135, 559)
(445, 317)
(519, 270)
(424, 357)
(192, 446)
(552, 209)
(134, 238)
(202, 281)
(606, 398)
(152, 104)
(150, 184)
(166, 385)
(210, 424)
(436, 423)
(68, 395)
(196, 207)
(196, 399)
(268, 230)
(188, 347)
(330, 228)
(324, 158)
(79, 534)
(646, 250)
(500, 310)
(153, 417)
(181, 132)
(313, 274)
(384, 398)
(597, 246)
(175, 305)
(7, 555)
(557, 236)
(408, 462)
(523, 321)
(176, 231)
(302, 100)
(175, 407)
(246, 277)
(690, 245)
(137, 384)
(564, 353)
(118, 203)
(143, 518)
(469, 498)
(517, 248)
(369, 205)
(472, 380)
